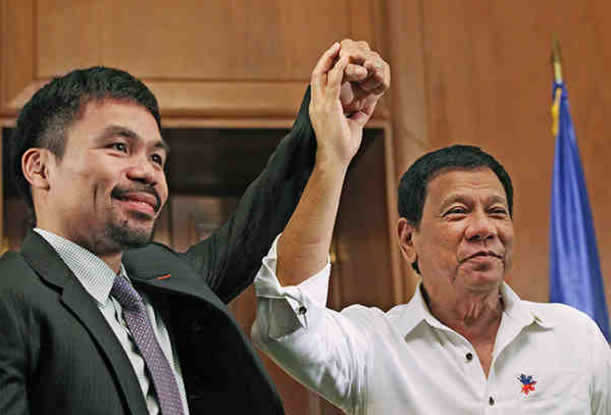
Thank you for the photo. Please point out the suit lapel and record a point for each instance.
(181, 295)
(153, 268)
(47, 263)
(180, 286)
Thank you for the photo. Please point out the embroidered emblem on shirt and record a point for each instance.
(164, 277)
(528, 384)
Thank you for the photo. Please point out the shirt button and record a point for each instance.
(302, 310)
(491, 401)
(469, 356)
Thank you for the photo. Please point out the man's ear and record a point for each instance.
(35, 167)
(405, 232)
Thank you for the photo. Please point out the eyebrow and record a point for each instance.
(118, 130)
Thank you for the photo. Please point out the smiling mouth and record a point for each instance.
(482, 255)
(146, 201)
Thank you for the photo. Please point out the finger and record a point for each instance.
(372, 84)
(379, 90)
(377, 80)
(355, 73)
(364, 114)
(356, 51)
(355, 56)
(386, 76)
(355, 44)
(324, 64)
(358, 92)
(346, 95)
(336, 75)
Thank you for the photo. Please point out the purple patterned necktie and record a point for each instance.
(142, 332)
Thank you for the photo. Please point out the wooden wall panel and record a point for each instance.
(220, 58)
(215, 40)
(363, 266)
(223, 40)
(408, 97)
(17, 53)
(488, 82)
(68, 36)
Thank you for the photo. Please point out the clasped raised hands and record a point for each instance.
(347, 83)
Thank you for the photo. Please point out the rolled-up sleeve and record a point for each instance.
(321, 348)
(295, 308)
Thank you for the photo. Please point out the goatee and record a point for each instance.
(126, 238)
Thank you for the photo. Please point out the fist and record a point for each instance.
(366, 77)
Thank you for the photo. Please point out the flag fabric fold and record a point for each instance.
(575, 275)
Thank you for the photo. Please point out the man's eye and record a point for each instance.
(456, 211)
(499, 212)
(122, 147)
(157, 159)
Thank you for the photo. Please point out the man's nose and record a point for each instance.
(142, 170)
(481, 227)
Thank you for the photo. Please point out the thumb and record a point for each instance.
(361, 117)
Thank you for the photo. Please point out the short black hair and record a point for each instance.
(413, 185)
(45, 118)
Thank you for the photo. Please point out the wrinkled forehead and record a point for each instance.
(450, 180)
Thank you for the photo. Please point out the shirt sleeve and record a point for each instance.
(314, 290)
(601, 368)
(323, 349)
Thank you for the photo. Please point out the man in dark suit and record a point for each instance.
(89, 158)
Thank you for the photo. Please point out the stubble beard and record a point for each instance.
(121, 235)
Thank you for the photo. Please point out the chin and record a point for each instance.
(127, 236)
(483, 280)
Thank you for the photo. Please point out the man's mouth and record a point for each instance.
(145, 201)
(484, 254)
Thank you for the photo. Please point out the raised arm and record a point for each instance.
(229, 259)
(304, 244)
(325, 350)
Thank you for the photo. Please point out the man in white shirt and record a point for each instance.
(465, 343)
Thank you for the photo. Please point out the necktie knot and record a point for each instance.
(125, 294)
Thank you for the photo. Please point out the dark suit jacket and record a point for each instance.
(58, 354)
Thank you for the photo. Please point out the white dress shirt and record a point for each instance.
(97, 279)
(547, 359)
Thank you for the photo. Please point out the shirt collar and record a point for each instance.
(94, 274)
(407, 316)
(518, 310)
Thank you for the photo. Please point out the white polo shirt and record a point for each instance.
(547, 359)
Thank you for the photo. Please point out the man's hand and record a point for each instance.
(366, 77)
(338, 136)
(304, 244)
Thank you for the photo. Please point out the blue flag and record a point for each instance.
(575, 277)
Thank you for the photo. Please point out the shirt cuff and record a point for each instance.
(313, 290)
